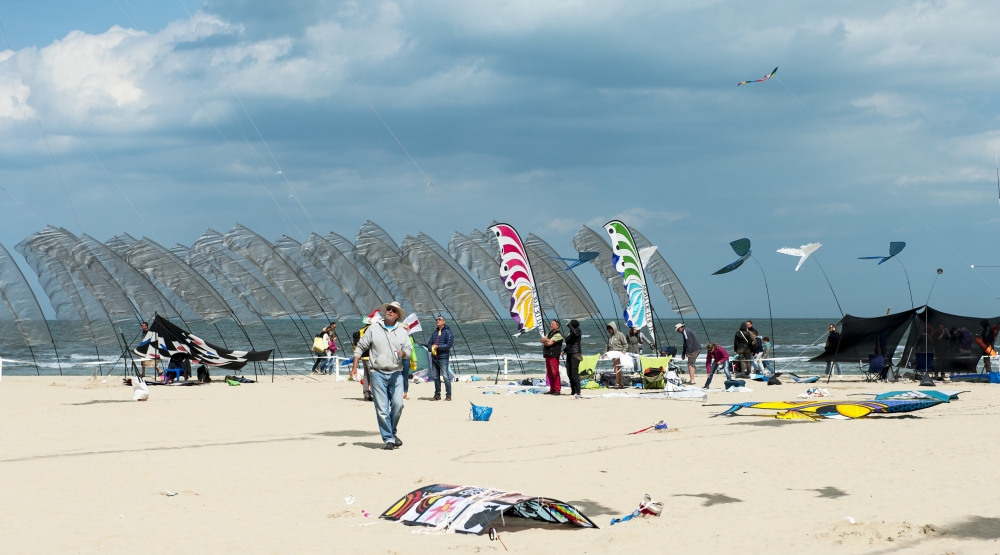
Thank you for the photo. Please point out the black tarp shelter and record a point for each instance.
(927, 330)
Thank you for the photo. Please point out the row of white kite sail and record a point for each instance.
(96, 288)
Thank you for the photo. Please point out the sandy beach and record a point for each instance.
(266, 468)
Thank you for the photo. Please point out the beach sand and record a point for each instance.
(266, 468)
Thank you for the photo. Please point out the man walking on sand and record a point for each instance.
(388, 344)
(690, 350)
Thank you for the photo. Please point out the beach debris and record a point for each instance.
(350, 501)
(831, 409)
(848, 518)
(814, 393)
(495, 536)
(648, 507)
(140, 391)
(480, 414)
(661, 425)
(761, 80)
(802, 252)
(471, 510)
(169, 493)
(738, 389)
(491, 393)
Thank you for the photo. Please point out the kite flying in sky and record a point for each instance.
(583, 257)
(761, 80)
(895, 248)
(802, 252)
(742, 249)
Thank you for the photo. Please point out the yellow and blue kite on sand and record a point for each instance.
(798, 410)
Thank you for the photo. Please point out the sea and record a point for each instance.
(480, 349)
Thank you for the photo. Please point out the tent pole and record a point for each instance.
(474, 364)
(769, 313)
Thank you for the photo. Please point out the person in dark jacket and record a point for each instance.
(573, 352)
(440, 346)
(552, 347)
(690, 349)
(832, 341)
(743, 344)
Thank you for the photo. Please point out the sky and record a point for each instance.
(164, 119)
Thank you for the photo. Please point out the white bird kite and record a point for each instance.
(804, 251)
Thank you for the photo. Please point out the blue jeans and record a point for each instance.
(406, 376)
(830, 365)
(767, 364)
(440, 368)
(388, 392)
(715, 368)
(327, 364)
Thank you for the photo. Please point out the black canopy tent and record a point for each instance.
(940, 334)
(861, 337)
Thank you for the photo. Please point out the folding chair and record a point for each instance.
(876, 370)
(924, 363)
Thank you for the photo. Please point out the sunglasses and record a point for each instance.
(392, 310)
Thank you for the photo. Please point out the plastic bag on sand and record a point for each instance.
(735, 389)
(140, 391)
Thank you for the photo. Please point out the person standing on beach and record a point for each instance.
(151, 363)
(743, 344)
(574, 354)
(440, 346)
(768, 355)
(832, 341)
(690, 349)
(551, 347)
(635, 340)
(388, 346)
(616, 339)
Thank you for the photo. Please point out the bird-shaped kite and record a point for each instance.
(574, 262)
(803, 252)
(895, 248)
(765, 78)
(742, 249)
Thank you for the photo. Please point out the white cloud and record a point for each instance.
(639, 217)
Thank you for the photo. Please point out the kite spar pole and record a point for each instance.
(907, 274)
(768, 292)
(831, 286)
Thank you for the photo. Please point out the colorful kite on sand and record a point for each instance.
(472, 510)
(515, 271)
(761, 80)
(801, 410)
